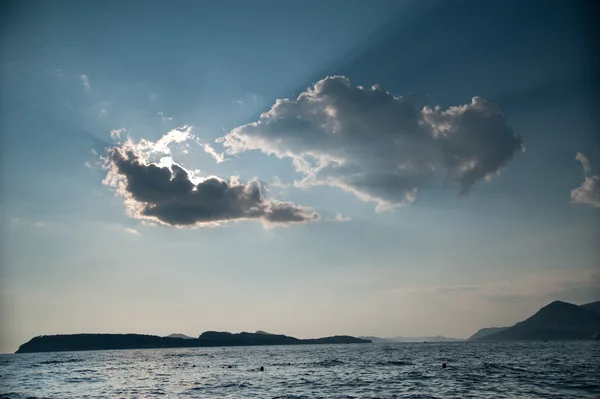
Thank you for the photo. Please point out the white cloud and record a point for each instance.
(587, 168)
(150, 151)
(340, 218)
(37, 224)
(219, 157)
(589, 190)
(248, 99)
(115, 134)
(131, 231)
(380, 147)
(103, 112)
(163, 117)
(14, 221)
(85, 81)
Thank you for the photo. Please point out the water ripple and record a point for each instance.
(507, 370)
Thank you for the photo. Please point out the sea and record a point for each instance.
(560, 370)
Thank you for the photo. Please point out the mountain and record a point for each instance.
(484, 332)
(439, 338)
(82, 342)
(593, 306)
(182, 336)
(556, 321)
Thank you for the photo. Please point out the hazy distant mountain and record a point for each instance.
(182, 336)
(439, 338)
(375, 340)
(556, 321)
(83, 342)
(484, 332)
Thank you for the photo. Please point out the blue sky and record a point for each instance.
(77, 258)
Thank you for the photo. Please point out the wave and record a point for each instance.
(61, 361)
(179, 355)
(395, 363)
(15, 395)
(327, 363)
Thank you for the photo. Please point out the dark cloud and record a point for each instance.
(378, 146)
(166, 194)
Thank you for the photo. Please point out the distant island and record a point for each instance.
(556, 321)
(86, 342)
(437, 338)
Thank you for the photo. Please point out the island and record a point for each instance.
(89, 342)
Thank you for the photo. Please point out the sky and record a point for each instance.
(389, 168)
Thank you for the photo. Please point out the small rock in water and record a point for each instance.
(443, 365)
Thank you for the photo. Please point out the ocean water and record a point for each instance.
(412, 370)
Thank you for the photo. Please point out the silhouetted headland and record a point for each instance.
(84, 342)
(484, 332)
(556, 321)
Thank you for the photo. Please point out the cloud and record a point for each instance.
(163, 117)
(85, 81)
(587, 168)
(131, 231)
(250, 98)
(37, 224)
(115, 134)
(219, 157)
(166, 193)
(380, 147)
(15, 221)
(340, 218)
(589, 190)
(146, 149)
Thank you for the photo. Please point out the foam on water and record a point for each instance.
(412, 370)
